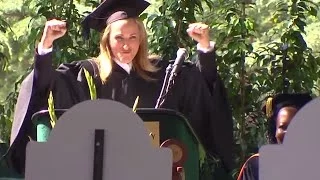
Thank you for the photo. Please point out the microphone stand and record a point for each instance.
(165, 87)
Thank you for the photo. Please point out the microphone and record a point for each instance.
(171, 72)
(181, 56)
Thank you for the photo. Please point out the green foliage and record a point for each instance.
(7, 106)
(14, 47)
(235, 48)
(168, 27)
(26, 20)
(71, 46)
(3, 29)
(6, 111)
(253, 69)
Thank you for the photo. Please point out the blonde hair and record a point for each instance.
(141, 62)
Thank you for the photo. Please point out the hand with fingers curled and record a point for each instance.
(200, 33)
(54, 29)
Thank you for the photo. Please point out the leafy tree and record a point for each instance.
(3, 63)
(168, 26)
(28, 21)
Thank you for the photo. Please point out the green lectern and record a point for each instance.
(166, 128)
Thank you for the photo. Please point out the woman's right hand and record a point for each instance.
(54, 29)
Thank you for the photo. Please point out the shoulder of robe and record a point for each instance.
(164, 63)
(185, 63)
(91, 66)
(77, 67)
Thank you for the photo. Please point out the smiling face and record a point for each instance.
(284, 118)
(124, 40)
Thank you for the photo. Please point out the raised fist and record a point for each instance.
(54, 29)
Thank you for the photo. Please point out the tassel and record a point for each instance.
(269, 110)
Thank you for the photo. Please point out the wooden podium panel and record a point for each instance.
(173, 125)
(154, 132)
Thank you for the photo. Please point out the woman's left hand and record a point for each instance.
(200, 33)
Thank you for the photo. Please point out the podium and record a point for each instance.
(166, 128)
(99, 140)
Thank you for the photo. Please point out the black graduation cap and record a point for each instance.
(112, 10)
(273, 105)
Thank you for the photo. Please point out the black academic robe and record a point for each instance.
(250, 169)
(222, 123)
(199, 95)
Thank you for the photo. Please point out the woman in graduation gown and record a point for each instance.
(122, 72)
(279, 110)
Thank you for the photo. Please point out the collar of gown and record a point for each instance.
(126, 66)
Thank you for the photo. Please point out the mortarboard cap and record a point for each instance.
(112, 10)
(273, 105)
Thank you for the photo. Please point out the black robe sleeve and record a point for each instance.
(33, 96)
(222, 124)
(29, 101)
